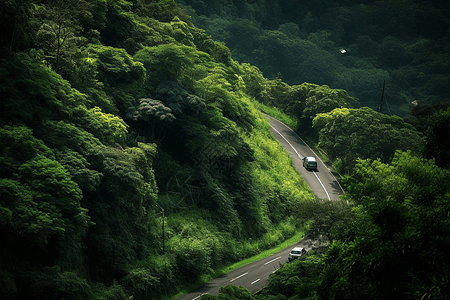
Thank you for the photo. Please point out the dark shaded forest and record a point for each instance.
(135, 153)
(404, 43)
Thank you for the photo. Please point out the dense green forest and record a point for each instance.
(135, 153)
(405, 43)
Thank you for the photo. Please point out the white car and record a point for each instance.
(296, 252)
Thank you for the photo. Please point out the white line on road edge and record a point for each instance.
(322, 186)
(326, 192)
(273, 260)
(256, 281)
(306, 146)
(238, 277)
(197, 297)
(286, 141)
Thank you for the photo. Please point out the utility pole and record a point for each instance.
(163, 221)
(382, 95)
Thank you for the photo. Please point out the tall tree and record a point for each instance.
(15, 23)
(59, 33)
(351, 133)
(402, 228)
(437, 138)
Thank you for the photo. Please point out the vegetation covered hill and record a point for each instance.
(134, 155)
(115, 114)
(389, 242)
(405, 43)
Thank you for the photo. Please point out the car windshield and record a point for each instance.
(295, 252)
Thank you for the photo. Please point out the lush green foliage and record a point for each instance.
(111, 111)
(402, 42)
(296, 280)
(327, 220)
(437, 139)
(399, 247)
(133, 154)
(303, 102)
(348, 134)
(392, 244)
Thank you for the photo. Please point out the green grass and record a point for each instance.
(266, 149)
(292, 123)
(277, 114)
(293, 240)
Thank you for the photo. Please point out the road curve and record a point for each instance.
(254, 276)
(323, 184)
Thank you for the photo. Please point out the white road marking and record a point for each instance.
(256, 281)
(273, 260)
(326, 192)
(238, 277)
(308, 148)
(197, 297)
(287, 141)
(322, 185)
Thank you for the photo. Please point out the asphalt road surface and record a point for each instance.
(321, 181)
(254, 276)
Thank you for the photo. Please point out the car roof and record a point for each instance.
(297, 249)
(311, 158)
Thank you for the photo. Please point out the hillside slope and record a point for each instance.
(404, 43)
(134, 154)
(113, 115)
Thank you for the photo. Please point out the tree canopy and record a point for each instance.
(404, 43)
(110, 112)
(364, 133)
(135, 153)
(389, 242)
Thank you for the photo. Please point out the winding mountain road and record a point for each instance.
(254, 276)
(321, 181)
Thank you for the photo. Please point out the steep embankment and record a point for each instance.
(133, 154)
(103, 113)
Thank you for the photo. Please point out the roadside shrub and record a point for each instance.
(192, 256)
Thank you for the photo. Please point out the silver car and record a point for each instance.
(296, 252)
(310, 163)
